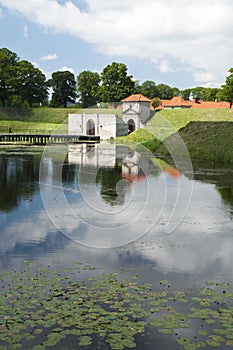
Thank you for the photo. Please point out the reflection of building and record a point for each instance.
(130, 166)
(109, 156)
(96, 155)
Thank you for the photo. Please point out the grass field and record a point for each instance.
(207, 133)
(42, 120)
(167, 122)
(208, 140)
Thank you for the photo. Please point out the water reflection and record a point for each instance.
(114, 180)
(221, 177)
(111, 164)
(103, 208)
(18, 178)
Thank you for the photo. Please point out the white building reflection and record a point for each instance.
(106, 155)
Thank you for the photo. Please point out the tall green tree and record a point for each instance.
(88, 88)
(8, 64)
(63, 85)
(203, 93)
(226, 91)
(185, 94)
(211, 94)
(148, 89)
(31, 83)
(164, 92)
(116, 83)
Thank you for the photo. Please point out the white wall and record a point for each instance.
(106, 125)
(97, 155)
(138, 111)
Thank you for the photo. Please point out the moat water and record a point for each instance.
(109, 206)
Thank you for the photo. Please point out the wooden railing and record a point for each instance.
(43, 139)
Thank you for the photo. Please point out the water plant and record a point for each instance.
(58, 308)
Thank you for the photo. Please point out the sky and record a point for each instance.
(181, 43)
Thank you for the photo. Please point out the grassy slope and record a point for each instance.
(207, 133)
(166, 122)
(207, 141)
(41, 120)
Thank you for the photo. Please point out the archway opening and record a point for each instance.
(131, 126)
(90, 127)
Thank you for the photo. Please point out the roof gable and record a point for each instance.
(176, 101)
(136, 98)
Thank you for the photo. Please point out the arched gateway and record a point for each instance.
(131, 126)
(90, 127)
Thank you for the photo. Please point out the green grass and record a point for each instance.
(136, 137)
(209, 140)
(206, 133)
(42, 120)
(27, 127)
(166, 122)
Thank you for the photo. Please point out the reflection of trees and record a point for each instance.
(18, 178)
(227, 197)
(220, 176)
(109, 178)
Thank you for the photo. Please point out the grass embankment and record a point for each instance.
(207, 133)
(42, 120)
(207, 141)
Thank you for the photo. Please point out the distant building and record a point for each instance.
(178, 102)
(175, 102)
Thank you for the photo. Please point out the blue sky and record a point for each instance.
(176, 42)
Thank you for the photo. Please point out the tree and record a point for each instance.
(116, 84)
(64, 88)
(185, 93)
(88, 87)
(8, 64)
(164, 92)
(226, 91)
(156, 102)
(203, 93)
(175, 91)
(149, 89)
(31, 83)
(211, 94)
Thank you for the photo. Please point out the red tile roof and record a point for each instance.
(209, 104)
(176, 101)
(136, 98)
(180, 102)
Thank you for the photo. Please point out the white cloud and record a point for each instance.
(25, 31)
(203, 76)
(197, 34)
(163, 65)
(64, 69)
(49, 57)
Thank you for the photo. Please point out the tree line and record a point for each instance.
(23, 85)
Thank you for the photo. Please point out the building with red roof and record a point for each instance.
(136, 111)
(179, 102)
